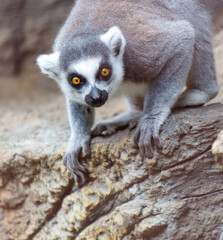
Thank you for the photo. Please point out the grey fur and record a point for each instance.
(168, 46)
(82, 45)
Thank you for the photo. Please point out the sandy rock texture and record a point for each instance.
(176, 195)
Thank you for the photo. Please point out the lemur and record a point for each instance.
(146, 50)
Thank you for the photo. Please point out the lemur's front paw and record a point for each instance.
(72, 163)
(103, 129)
(145, 135)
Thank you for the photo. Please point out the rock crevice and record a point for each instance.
(176, 195)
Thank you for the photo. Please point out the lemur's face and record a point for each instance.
(88, 69)
(90, 81)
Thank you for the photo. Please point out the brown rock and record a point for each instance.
(176, 195)
(28, 28)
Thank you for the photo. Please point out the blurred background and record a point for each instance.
(27, 29)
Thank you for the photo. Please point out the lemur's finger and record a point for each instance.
(148, 143)
(77, 171)
(80, 178)
(86, 149)
(97, 130)
(136, 137)
(148, 149)
(78, 167)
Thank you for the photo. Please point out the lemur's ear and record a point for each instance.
(49, 64)
(115, 41)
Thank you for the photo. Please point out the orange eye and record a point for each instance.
(76, 80)
(105, 72)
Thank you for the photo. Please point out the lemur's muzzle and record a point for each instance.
(97, 97)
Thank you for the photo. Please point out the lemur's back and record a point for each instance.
(133, 15)
(142, 22)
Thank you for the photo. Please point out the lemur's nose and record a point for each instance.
(96, 97)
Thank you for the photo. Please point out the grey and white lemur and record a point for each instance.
(147, 50)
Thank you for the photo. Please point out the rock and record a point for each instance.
(177, 195)
(217, 149)
(28, 28)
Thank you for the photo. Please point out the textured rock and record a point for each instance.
(177, 195)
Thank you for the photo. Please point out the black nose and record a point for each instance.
(96, 97)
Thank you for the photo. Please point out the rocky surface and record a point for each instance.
(176, 195)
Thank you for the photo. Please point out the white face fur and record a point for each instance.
(88, 68)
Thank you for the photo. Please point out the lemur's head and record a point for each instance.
(88, 68)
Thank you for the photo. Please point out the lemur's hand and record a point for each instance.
(71, 161)
(146, 134)
(103, 128)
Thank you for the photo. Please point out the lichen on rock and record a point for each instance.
(176, 195)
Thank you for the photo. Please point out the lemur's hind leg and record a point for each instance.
(201, 84)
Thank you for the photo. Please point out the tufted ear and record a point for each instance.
(49, 64)
(115, 41)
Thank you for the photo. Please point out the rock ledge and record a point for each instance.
(177, 195)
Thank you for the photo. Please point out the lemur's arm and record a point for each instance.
(81, 119)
